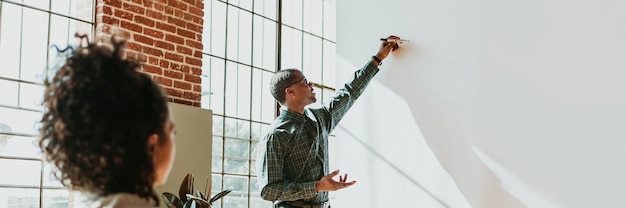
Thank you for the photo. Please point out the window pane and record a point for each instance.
(257, 131)
(217, 146)
(218, 125)
(245, 37)
(238, 90)
(10, 36)
(61, 6)
(236, 166)
(216, 187)
(266, 8)
(19, 146)
(216, 165)
(55, 198)
(19, 197)
(23, 122)
(318, 95)
(313, 17)
(82, 10)
(34, 49)
(49, 180)
(236, 201)
(264, 44)
(292, 13)
(230, 127)
(9, 93)
(216, 89)
(291, 48)
(218, 28)
(330, 22)
(262, 100)
(329, 64)
(37, 4)
(326, 94)
(31, 96)
(20, 172)
(238, 184)
(312, 58)
(236, 148)
(244, 4)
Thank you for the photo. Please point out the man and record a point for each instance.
(292, 159)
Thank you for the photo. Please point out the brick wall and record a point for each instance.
(166, 35)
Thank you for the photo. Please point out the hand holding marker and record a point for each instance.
(399, 41)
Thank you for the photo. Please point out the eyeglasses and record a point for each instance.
(304, 80)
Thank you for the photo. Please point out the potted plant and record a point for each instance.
(188, 199)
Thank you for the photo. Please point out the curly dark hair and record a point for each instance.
(280, 81)
(99, 113)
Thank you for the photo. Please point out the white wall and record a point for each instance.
(193, 148)
(521, 103)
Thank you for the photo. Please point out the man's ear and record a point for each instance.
(289, 90)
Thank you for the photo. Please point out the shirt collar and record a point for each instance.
(287, 114)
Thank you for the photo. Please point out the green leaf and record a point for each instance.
(171, 201)
(219, 195)
(186, 187)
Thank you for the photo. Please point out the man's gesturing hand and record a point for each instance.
(327, 183)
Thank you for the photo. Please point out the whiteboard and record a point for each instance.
(523, 103)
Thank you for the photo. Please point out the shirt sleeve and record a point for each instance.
(343, 99)
(274, 186)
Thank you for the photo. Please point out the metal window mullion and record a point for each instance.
(250, 106)
(224, 104)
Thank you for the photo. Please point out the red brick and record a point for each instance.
(191, 2)
(173, 57)
(175, 66)
(147, 3)
(164, 45)
(133, 8)
(131, 26)
(186, 33)
(143, 39)
(191, 95)
(182, 85)
(110, 20)
(144, 21)
(169, 10)
(196, 70)
(136, 1)
(176, 21)
(124, 15)
(164, 64)
(155, 15)
(105, 10)
(175, 39)
(199, 4)
(177, 4)
(179, 13)
(165, 27)
(142, 57)
(197, 104)
(154, 33)
(115, 3)
(194, 18)
(185, 69)
(197, 11)
(193, 61)
(153, 61)
(194, 44)
(173, 74)
(166, 82)
(197, 88)
(152, 51)
(152, 69)
(159, 7)
(173, 92)
(193, 78)
(184, 50)
(197, 54)
(194, 27)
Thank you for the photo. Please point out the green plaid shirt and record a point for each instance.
(294, 153)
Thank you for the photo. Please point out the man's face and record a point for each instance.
(303, 89)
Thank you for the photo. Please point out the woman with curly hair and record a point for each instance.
(107, 128)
